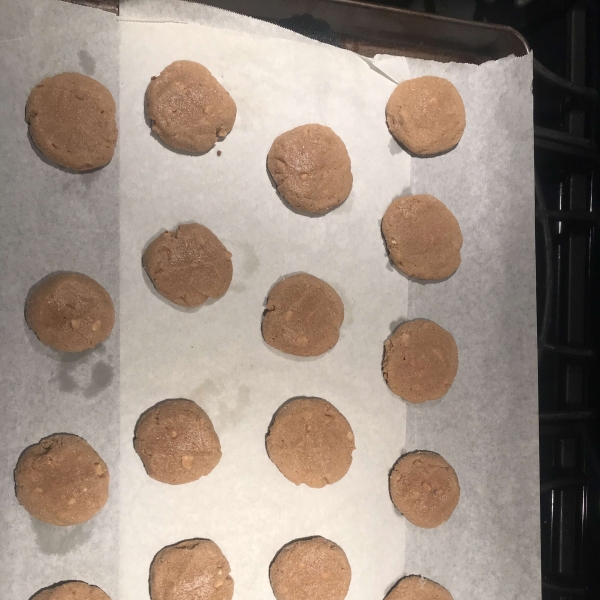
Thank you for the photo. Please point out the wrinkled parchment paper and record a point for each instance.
(181, 11)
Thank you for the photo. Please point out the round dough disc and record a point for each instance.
(177, 442)
(191, 570)
(61, 480)
(415, 587)
(188, 108)
(70, 312)
(303, 317)
(188, 265)
(426, 115)
(71, 120)
(424, 488)
(310, 441)
(422, 236)
(311, 168)
(71, 590)
(310, 569)
(420, 361)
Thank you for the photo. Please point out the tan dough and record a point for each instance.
(303, 317)
(311, 168)
(310, 442)
(71, 120)
(191, 570)
(71, 590)
(426, 115)
(422, 236)
(177, 442)
(310, 569)
(70, 312)
(61, 480)
(420, 361)
(188, 108)
(188, 265)
(424, 488)
(415, 587)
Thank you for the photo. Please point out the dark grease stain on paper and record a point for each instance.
(60, 540)
(87, 62)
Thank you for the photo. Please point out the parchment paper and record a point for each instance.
(54, 221)
(487, 424)
(216, 355)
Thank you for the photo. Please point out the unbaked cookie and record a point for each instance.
(311, 168)
(188, 265)
(71, 590)
(426, 115)
(303, 317)
(191, 570)
(177, 442)
(70, 312)
(415, 587)
(310, 569)
(188, 108)
(422, 236)
(71, 120)
(310, 442)
(424, 488)
(61, 480)
(420, 361)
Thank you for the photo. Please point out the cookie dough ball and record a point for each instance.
(424, 488)
(420, 361)
(177, 442)
(71, 590)
(70, 312)
(71, 120)
(310, 442)
(191, 570)
(188, 265)
(422, 237)
(310, 569)
(311, 168)
(61, 480)
(415, 587)
(188, 108)
(426, 115)
(303, 317)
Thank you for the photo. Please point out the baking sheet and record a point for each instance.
(51, 221)
(490, 547)
(216, 355)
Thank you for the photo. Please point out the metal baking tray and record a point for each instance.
(371, 29)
